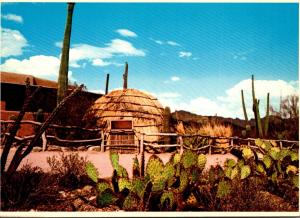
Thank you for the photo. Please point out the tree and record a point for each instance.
(64, 61)
(289, 107)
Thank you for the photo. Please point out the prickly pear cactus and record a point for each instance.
(131, 202)
(169, 171)
(247, 153)
(155, 167)
(267, 161)
(124, 183)
(230, 163)
(177, 158)
(114, 158)
(260, 168)
(275, 153)
(92, 171)
(224, 189)
(106, 198)
(234, 172)
(184, 180)
(167, 195)
(136, 167)
(121, 172)
(102, 186)
(245, 171)
(138, 186)
(201, 161)
(188, 159)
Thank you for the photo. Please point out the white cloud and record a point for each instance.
(100, 62)
(12, 42)
(58, 44)
(175, 78)
(173, 43)
(12, 17)
(39, 66)
(98, 91)
(184, 54)
(126, 33)
(230, 105)
(158, 42)
(81, 52)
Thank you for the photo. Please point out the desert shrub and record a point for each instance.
(17, 191)
(69, 169)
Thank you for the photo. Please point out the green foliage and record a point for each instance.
(114, 158)
(247, 153)
(124, 183)
(167, 195)
(121, 172)
(267, 161)
(102, 186)
(92, 171)
(295, 181)
(201, 161)
(235, 172)
(245, 171)
(260, 168)
(224, 189)
(177, 158)
(106, 198)
(138, 186)
(169, 171)
(189, 159)
(183, 181)
(131, 202)
(230, 163)
(274, 153)
(136, 167)
(154, 167)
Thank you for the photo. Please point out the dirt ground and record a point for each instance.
(102, 161)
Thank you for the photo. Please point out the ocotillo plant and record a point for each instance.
(64, 62)
(125, 76)
(107, 83)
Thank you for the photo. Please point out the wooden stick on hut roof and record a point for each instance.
(125, 76)
(107, 82)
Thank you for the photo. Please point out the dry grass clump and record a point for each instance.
(209, 129)
(216, 129)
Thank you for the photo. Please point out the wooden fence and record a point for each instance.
(212, 144)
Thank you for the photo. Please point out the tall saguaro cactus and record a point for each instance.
(256, 111)
(267, 115)
(64, 61)
(125, 76)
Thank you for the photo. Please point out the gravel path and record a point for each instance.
(102, 161)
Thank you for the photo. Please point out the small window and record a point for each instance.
(121, 124)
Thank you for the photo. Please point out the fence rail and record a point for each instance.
(139, 142)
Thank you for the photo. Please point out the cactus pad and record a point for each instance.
(230, 163)
(201, 161)
(114, 158)
(275, 153)
(234, 172)
(167, 195)
(102, 186)
(267, 161)
(106, 198)
(247, 153)
(124, 183)
(154, 167)
(131, 202)
(92, 171)
(189, 159)
(224, 189)
(260, 168)
(245, 171)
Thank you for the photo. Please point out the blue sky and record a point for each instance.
(195, 57)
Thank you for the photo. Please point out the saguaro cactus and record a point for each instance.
(259, 129)
(267, 115)
(64, 61)
(125, 76)
(244, 106)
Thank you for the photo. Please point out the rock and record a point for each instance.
(77, 203)
(65, 149)
(36, 149)
(53, 148)
(94, 148)
(81, 148)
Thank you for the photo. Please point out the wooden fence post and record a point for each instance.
(44, 139)
(102, 142)
(181, 145)
(142, 173)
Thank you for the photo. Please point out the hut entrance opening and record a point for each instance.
(122, 134)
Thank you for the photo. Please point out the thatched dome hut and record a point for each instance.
(128, 109)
